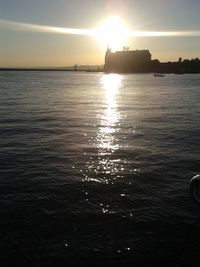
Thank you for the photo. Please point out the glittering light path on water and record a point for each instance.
(106, 168)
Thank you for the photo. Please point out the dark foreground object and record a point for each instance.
(195, 188)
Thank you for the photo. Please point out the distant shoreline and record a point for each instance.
(87, 70)
(36, 69)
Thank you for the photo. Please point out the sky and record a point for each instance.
(30, 47)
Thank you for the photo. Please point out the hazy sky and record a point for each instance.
(28, 48)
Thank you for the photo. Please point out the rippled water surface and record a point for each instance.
(95, 169)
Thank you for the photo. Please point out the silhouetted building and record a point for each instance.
(139, 61)
(128, 61)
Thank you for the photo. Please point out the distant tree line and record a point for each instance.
(179, 67)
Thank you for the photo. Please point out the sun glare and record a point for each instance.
(112, 32)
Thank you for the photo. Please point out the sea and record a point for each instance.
(95, 169)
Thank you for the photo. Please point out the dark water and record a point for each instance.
(95, 169)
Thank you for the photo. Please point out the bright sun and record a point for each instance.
(112, 32)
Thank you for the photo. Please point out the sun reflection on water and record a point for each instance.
(104, 166)
(109, 119)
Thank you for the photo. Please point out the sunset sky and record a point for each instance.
(26, 46)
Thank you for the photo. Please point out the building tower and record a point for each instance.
(107, 59)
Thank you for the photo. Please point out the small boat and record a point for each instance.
(179, 73)
(159, 75)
